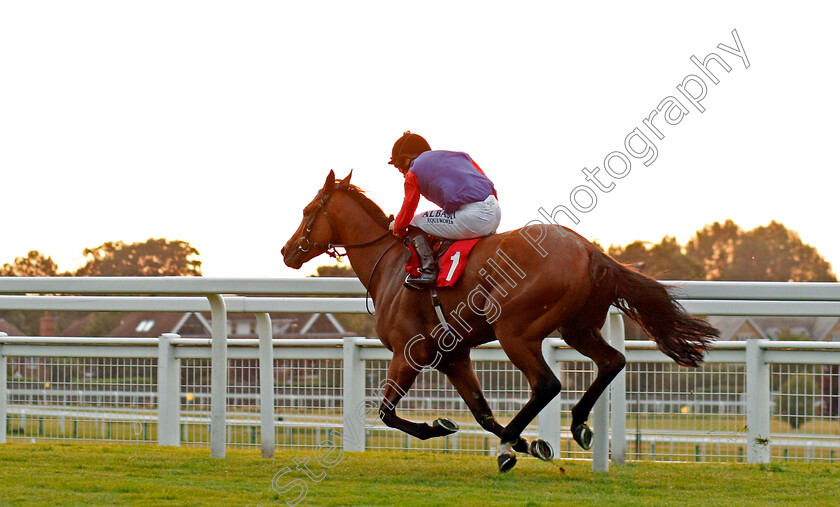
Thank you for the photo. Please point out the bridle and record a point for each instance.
(330, 248)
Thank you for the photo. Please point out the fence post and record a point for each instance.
(169, 392)
(266, 385)
(4, 390)
(618, 395)
(218, 376)
(548, 420)
(601, 422)
(354, 397)
(758, 404)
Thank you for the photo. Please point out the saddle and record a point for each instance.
(450, 255)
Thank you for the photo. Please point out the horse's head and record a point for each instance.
(314, 235)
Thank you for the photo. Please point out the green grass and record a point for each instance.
(71, 474)
(53, 430)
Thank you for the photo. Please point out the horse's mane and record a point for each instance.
(370, 207)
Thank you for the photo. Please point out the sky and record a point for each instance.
(216, 122)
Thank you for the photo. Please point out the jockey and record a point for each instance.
(454, 182)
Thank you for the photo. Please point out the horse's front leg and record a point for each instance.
(401, 376)
(458, 368)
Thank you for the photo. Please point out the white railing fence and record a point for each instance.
(751, 401)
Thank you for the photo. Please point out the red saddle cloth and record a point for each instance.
(451, 263)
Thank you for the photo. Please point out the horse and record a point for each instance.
(517, 287)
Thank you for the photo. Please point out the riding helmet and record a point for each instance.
(409, 145)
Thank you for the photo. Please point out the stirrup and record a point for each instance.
(418, 283)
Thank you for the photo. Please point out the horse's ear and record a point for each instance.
(330, 183)
(346, 181)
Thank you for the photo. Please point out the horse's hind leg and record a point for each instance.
(401, 376)
(590, 343)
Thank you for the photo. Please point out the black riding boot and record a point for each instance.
(428, 266)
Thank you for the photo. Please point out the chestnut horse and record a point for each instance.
(517, 288)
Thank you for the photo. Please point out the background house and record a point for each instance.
(777, 328)
(9, 328)
(198, 325)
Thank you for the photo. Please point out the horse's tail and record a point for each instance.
(680, 335)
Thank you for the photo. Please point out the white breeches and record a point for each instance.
(469, 221)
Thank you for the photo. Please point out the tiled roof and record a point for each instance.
(9, 328)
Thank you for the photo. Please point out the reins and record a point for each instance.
(373, 271)
(330, 248)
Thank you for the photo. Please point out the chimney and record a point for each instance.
(48, 325)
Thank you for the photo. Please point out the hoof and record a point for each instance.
(445, 426)
(583, 436)
(506, 461)
(541, 449)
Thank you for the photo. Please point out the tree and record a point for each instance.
(34, 264)
(774, 253)
(795, 401)
(337, 270)
(665, 260)
(634, 253)
(786, 335)
(713, 247)
(726, 252)
(766, 253)
(360, 323)
(155, 257)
